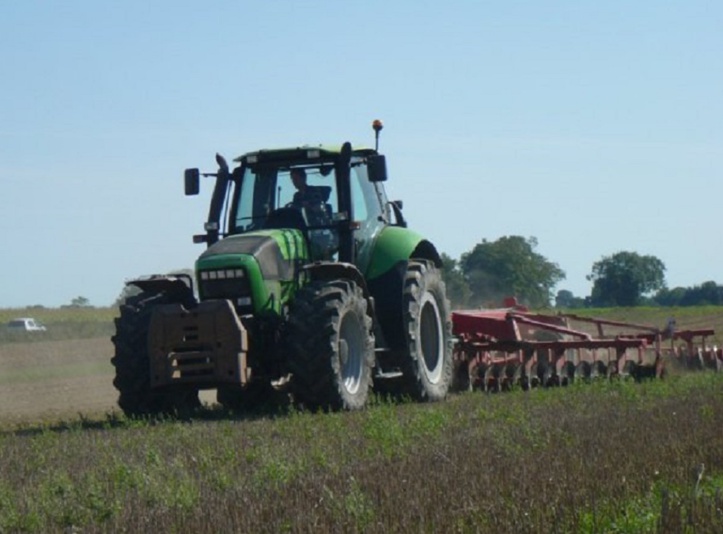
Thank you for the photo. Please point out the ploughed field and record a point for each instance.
(47, 380)
(53, 380)
(66, 371)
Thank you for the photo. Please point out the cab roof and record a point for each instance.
(309, 152)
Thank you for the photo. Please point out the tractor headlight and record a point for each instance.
(232, 284)
(223, 274)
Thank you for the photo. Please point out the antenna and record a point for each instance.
(377, 125)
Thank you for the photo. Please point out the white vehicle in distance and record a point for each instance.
(25, 324)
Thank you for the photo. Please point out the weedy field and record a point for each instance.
(605, 457)
(602, 457)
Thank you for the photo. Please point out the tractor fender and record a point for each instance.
(393, 249)
(179, 287)
(327, 270)
(396, 245)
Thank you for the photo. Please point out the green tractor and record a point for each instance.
(311, 285)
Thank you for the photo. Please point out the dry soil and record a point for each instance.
(48, 381)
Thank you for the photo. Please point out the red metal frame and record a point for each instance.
(500, 347)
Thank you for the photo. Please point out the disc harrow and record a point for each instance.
(498, 349)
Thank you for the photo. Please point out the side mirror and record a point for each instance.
(377, 168)
(191, 179)
(397, 209)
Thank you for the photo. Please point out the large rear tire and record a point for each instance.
(132, 363)
(427, 364)
(330, 346)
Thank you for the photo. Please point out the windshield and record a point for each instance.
(306, 196)
(263, 191)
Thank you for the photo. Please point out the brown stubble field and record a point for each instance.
(48, 380)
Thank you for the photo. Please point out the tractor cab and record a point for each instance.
(333, 195)
(294, 195)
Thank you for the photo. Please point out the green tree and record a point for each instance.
(708, 293)
(670, 297)
(458, 291)
(79, 302)
(565, 299)
(510, 267)
(625, 278)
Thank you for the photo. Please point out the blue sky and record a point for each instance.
(593, 126)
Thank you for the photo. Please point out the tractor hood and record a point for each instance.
(275, 251)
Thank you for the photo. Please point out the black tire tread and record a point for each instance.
(312, 345)
(422, 276)
(132, 364)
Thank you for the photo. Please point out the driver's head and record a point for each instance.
(298, 178)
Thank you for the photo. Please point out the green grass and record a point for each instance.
(60, 315)
(605, 457)
(691, 316)
(62, 324)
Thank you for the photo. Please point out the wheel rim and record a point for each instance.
(430, 338)
(350, 354)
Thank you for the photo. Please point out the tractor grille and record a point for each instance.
(232, 284)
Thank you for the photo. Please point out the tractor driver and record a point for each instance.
(312, 200)
(306, 195)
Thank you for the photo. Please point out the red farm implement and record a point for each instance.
(497, 349)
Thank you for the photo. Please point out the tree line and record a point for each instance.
(510, 266)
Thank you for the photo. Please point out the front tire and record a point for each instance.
(132, 362)
(330, 346)
(427, 364)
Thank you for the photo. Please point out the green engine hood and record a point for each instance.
(276, 252)
(269, 259)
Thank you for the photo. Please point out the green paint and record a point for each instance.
(393, 245)
(268, 296)
(290, 241)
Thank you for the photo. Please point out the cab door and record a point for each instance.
(369, 218)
